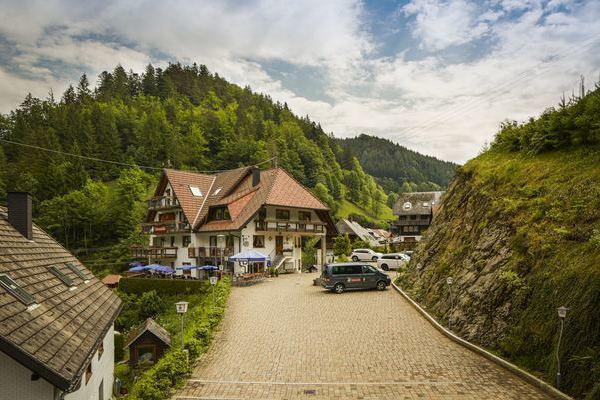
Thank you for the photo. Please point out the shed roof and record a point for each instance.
(57, 337)
(151, 326)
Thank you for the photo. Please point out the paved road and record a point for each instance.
(287, 339)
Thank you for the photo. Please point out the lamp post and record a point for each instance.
(562, 313)
(181, 307)
(449, 281)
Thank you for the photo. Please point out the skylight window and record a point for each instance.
(77, 272)
(407, 205)
(13, 288)
(196, 191)
(217, 191)
(60, 275)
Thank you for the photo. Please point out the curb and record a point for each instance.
(540, 384)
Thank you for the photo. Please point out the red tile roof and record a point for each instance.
(243, 200)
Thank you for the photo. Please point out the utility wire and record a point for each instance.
(116, 162)
(499, 90)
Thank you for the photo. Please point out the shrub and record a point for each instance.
(162, 286)
(119, 346)
(150, 305)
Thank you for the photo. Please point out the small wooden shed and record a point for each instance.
(148, 343)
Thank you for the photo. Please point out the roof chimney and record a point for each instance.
(255, 176)
(19, 213)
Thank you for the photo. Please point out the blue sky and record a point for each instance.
(437, 76)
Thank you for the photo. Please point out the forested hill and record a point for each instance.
(180, 117)
(397, 168)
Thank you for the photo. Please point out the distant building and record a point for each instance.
(112, 281)
(56, 329)
(199, 219)
(415, 212)
(148, 343)
(356, 231)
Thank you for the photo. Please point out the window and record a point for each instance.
(282, 214)
(13, 288)
(413, 217)
(424, 216)
(100, 350)
(88, 373)
(367, 269)
(219, 214)
(60, 275)
(186, 241)
(262, 214)
(258, 241)
(407, 205)
(196, 192)
(346, 270)
(172, 241)
(303, 215)
(425, 204)
(77, 271)
(403, 218)
(168, 192)
(217, 191)
(212, 241)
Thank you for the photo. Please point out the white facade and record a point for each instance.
(282, 245)
(16, 383)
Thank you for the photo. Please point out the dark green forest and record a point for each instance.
(181, 117)
(396, 168)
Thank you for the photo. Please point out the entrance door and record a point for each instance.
(278, 244)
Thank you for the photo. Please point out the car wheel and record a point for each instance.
(354, 258)
(339, 288)
(374, 259)
(381, 285)
(385, 267)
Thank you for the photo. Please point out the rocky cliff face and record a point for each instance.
(520, 236)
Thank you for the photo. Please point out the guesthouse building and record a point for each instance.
(197, 219)
(415, 212)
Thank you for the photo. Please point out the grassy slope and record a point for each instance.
(546, 213)
(346, 208)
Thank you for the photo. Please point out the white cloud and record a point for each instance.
(445, 109)
(442, 24)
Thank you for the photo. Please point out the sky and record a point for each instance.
(436, 76)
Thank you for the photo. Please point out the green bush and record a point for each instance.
(162, 286)
(150, 305)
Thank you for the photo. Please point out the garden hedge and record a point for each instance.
(162, 286)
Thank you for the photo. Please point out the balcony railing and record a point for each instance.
(159, 203)
(290, 226)
(211, 251)
(165, 227)
(154, 252)
(413, 222)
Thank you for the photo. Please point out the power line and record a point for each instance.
(118, 162)
(499, 90)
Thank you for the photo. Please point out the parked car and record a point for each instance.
(392, 261)
(364, 255)
(349, 276)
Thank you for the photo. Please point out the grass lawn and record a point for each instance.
(347, 208)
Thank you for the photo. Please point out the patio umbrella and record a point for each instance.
(187, 267)
(209, 268)
(250, 255)
(165, 269)
(139, 268)
(136, 264)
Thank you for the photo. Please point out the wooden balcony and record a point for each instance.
(413, 222)
(162, 203)
(212, 251)
(154, 252)
(165, 227)
(290, 226)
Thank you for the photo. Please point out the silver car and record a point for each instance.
(364, 255)
(392, 261)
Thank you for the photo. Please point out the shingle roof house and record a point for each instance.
(149, 340)
(354, 230)
(248, 208)
(55, 315)
(415, 212)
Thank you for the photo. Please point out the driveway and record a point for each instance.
(287, 339)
